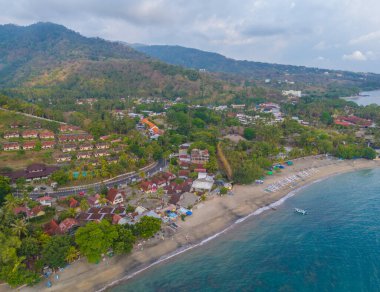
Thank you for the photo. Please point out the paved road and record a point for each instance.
(120, 180)
(32, 116)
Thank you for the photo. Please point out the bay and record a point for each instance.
(333, 248)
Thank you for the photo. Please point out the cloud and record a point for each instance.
(355, 56)
(373, 36)
(281, 31)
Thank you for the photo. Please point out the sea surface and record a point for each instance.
(366, 98)
(335, 247)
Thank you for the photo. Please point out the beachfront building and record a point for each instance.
(203, 183)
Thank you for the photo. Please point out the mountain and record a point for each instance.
(49, 60)
(213, 62)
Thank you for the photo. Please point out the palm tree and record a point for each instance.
(20, 227)
(72, 254)
(11, 202)
(102, 200)
(84, 205)
(160, 192)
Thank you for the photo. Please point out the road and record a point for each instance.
(120, 180)
(32, 116)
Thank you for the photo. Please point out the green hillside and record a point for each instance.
(48, 60)
(213, 62)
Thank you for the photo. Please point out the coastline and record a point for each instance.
(210, 219)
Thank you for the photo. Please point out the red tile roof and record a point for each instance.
(67, 224)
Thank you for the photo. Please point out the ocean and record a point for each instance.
(335, 247)
(366, 98)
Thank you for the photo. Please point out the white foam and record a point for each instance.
(190, 247)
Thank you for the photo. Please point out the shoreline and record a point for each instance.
(210, 220)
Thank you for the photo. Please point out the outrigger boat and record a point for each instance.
(300, 211)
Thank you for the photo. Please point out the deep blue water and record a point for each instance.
(336, 247)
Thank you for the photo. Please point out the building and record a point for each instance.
(84, 155)
(64, 158)
(45, 201)
(69, 148)
(352, 121)
(11, 146)
(35, 171)
(115, 197)
(154, 131)
(292, 93)
(10, 135)
(68, 128)
(238, 106)
(68, 225)
(102, 146)
(47, 144)
(30, 134)
(46, 135)
(199, 156)
(75, 137)
(29, 145)
(85, 147)
(101, 153)
(204, 183)
(148, 187)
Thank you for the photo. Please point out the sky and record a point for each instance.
(333, 34)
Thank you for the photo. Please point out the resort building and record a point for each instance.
(46, 135)
(64, 158)
(11, 146)
(47, 144)
(10, 135)
(84, 155)
(199, 156)
(30, 134)
(86, 147)
(102, 146)
(29, 145)
(69, 148)
(33, 172)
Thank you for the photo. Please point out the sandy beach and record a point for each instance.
(209, 218)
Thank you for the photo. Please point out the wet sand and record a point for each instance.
(209, 218)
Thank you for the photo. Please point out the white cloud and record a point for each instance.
(373, 36)
(281, 31)
(355, 56)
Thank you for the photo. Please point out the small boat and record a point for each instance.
(300, 211)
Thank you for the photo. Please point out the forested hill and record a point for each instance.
(213, 62)
(49, 60)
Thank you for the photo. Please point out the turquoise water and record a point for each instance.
(336, 247)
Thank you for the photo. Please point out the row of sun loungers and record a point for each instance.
(291, 180)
